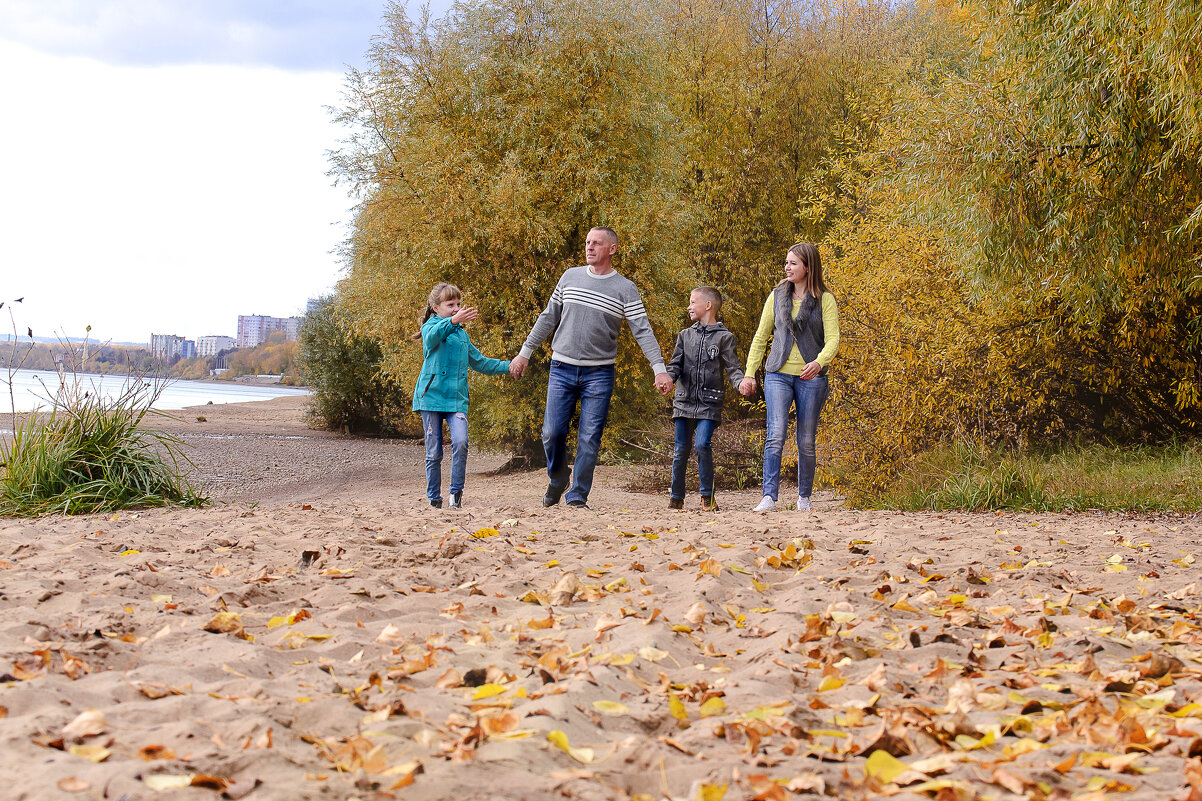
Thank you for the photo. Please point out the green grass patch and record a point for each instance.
(91, 454)
(1149, 478)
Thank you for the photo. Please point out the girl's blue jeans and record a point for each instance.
(693, 435)
(782, 391)
(457, 425)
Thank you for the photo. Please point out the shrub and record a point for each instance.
(90, 454)
(350, 393)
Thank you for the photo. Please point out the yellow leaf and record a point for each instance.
(651, 654)
(624, 659)
(610, 707)
(710, 792)
(737, 568)
(485, 532)
(552, 563)
(129, 552)
(760, 586)
(165, 781)
(92, 753)
(560, 740)
(883, 766)
(676, 707)
(161, 599)
(831, 683)
(714, 706)
(487, 691)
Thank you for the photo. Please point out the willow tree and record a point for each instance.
(1063, 161)
(484, 146)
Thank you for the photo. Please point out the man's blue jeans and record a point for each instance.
(693, 435)
(782, 391)
(457, 425)
(592, 387)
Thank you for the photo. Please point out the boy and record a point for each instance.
(702, 352)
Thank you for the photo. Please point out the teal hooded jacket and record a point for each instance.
(448, 354)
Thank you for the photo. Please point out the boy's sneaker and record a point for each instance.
(456, 500)
(766, 505)
(803, 503)
(436, 504)
(709, 503)
(676, 503)
(578, 504)
(553, 494)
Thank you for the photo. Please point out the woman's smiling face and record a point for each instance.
(795, 268)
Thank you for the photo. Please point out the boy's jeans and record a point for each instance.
(781, 391)
(693, 434)
(592, 387)
(457, 425)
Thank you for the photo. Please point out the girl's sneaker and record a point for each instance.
(803, 503)
(766, 505)
(456, 500)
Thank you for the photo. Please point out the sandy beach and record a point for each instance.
(319, 632)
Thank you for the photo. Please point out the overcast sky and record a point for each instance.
(163, 162)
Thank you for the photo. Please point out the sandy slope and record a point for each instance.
(375, 643)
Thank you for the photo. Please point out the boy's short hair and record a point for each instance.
(710, 295)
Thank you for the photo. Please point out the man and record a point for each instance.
(585, 315)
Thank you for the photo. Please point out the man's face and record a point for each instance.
(598, 248)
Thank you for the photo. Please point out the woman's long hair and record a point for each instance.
(442, 291)
(812, 259)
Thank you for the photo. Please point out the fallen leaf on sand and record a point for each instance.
(92, 753)
(560, 740)
(71, 784)
(390, 635)
(565, 589)
(86, 724)
(227, 623)
(610, 707)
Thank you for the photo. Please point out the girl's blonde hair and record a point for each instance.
(441, 292)
(812, 259)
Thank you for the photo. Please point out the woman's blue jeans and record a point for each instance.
(782, 391)
(693, 435)
(457, 425)
(592, 387)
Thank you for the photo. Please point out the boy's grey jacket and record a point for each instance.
(701, 354)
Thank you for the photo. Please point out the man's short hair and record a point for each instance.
(611, 233)
(710, 294)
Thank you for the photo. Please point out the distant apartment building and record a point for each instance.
(188, 349)
(166, 347)
(254, 329)
(214, 344)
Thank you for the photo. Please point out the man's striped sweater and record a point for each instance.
(586, 313)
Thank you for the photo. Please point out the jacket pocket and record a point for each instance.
(711, 396)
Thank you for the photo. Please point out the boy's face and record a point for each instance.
(698, 306)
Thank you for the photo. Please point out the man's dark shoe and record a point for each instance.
(436, 504)
(578, 504)
(676, 503)
(553, 495)
(456, 500)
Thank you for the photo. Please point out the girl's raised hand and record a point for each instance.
(464, 315)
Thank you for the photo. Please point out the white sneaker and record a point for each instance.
(766, 505)
(803, 503)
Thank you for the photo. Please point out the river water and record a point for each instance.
(35, 388)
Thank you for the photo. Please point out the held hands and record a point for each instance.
(810, 370)
(518, 366)
(747, 386)
(464, 315)
(664, 383)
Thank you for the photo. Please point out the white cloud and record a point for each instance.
(166, 199)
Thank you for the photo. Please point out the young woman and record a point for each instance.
(802, 319)
(441, 391)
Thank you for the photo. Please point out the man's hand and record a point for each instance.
(518, 366)
(747, 386)
(664, 383)
(810, 370)
(464, 315)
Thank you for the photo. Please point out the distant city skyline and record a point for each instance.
(173, 169)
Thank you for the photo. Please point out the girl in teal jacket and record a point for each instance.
(441, 391)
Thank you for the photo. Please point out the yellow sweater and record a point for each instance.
(796, 362)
